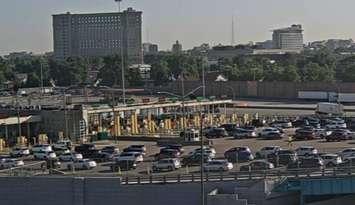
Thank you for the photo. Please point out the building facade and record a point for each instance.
(150, 48)
(98, 34)
(177, 48)
(290, 38)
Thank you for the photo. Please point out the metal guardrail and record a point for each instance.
(26, 170)
(230, 176)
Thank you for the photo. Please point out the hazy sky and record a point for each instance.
(27, 24)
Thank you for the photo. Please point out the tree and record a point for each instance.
(110, 73)
(290, 73)
(315, 72)
(160, 72)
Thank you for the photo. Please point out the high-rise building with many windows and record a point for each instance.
(290, 38)
(98, 34)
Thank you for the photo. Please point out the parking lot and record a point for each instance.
(221, 145)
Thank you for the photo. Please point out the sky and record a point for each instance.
(26, 25)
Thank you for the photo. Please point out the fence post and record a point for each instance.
(164, 179)
(192, 177)
(206, 176)
(221, 176)
(150, 179)
(139, 180)
(178, 178)
(126, 180)
(236, 176)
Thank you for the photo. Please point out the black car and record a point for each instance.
(177, 147)
(239, 154)
(136, 148)
(86, 150)
(52, 163)
(123, 165)
(229, 127)
(305, 133)
(217, 133)
(100, 156)
(195, 159)
(338, 135)
(282, 159)
(313, 163)
(110, 150)
(167, 153)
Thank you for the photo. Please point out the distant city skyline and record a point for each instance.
(27, 25)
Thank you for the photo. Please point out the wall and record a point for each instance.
(109, 191)
(253, 89)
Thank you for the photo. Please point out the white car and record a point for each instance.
(42, 155)
(331, 160)
(10, 163)
(64, 144)
(166, 164)
(82, 164)
(206, 150)
(131, 156)
(336, 125)
(41, 148)
(19, 152)
(346, 153)
(266, 151)
(70, 157)
(282, 124)
(267, 131)
(306, 150)
(217, 165)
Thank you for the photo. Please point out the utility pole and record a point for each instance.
(122, 55)
(202, 158)
(203, 79)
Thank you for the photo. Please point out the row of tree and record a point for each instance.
(321, 65)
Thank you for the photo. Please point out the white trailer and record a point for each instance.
(330, 109)
(346, 97)
(312, 95)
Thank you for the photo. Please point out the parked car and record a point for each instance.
(86, 149)
(348, 163)
(177, 147)
(71, 156)
(258, 122)
(110, 150)
(206, 150)
(19, 152)
(64, 144)
(99, 156)
(217, 165)
(347, 153)
(7, 163)
(269, 131)
(136, 148)
(339, 135)
(336, 125)
(133, 156)
(43, 155)
(230, 127)
(240, 133)
(41, 148)
(195, 159)
(266, 151)
(306, 151)
(307, 163)
(217, 133)
(257, 165)
(322, 133)
(305, 133)
(331, 160)
(281, 123)
(53, 163)
(283, 157)
(60, 151)
(239, 154)
(167, 153)
(82, 164)
(123, 165)
(273, 136)
(166, 164)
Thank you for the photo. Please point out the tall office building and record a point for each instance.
(98, 34)
(290, 38)
(150, 48)
(177, 48)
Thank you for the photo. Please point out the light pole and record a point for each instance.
(121, 52)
